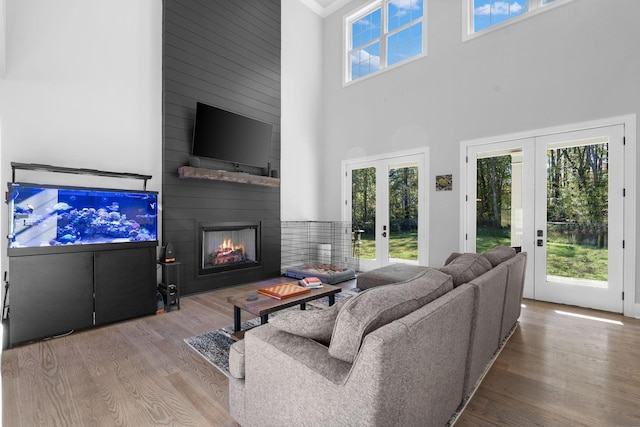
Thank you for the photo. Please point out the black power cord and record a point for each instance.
(5, 309)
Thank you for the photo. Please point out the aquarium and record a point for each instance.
(48, 216)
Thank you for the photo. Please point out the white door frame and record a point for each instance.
(421, 156)
(630, 307)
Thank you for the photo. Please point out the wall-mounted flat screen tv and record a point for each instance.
(57, 216)
(230, 137)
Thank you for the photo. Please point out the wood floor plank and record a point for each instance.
(556, 370)
(70, 398)
(561, 370)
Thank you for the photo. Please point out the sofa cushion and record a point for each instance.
(499, 254)
(388, 274)
(314, 324)
(466, 267)
(378, 306)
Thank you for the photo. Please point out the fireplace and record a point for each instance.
(229, 246)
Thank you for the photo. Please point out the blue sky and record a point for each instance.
(401, 45)
(488, 12)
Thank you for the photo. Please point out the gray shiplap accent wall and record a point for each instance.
(227, 54)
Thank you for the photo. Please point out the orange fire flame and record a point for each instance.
(228, 246)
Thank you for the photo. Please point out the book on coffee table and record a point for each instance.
(283, 290)
(310, 282)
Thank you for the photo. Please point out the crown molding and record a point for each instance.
(322, 11)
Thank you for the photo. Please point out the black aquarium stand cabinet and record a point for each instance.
(56, 293)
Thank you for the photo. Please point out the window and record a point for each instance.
(385, 33)
(485, 14)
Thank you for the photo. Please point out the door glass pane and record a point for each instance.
(577, 213)
(403, 213)
(499, 201)
(363, 211)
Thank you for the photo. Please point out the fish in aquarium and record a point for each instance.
(45, 216)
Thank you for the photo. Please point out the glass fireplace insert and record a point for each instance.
(229, 246)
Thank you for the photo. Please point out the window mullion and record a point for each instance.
(404, 27)
(383, 36)
(363, 46)
(470, 17)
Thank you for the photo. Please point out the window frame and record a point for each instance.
(535, 8)
(383, 39)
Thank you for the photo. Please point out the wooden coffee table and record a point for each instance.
(264, 305)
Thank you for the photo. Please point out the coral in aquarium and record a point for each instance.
(92, 224)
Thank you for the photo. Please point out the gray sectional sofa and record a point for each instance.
(407, 353)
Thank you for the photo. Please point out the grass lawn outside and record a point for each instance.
(563, 259)
(401, 246)
(582, 262)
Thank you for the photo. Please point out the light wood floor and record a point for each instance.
(557, 370)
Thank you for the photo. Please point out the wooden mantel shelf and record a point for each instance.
(189, 172)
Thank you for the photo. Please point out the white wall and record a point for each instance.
(574, 63)
(302, 103)
(3, 36)
(82, 89)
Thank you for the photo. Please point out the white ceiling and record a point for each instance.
(325, 7)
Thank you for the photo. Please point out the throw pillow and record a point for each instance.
(375, 307)
(466, 267)
(499, 254)
(314, 324)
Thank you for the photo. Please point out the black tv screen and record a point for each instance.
(230, 137)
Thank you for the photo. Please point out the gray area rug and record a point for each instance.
(214, 345)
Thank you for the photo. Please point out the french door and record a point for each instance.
(499, 206)
(579, 218)
(385, 201)
(560, 198)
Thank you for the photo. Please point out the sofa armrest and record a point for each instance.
(236, 359)
(289, 380)
(303, 351)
